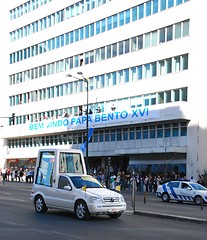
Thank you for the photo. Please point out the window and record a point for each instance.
(152, 131)
(63, 181)
(138, 133)
(131, 133)
(119, 135)
(175, 130)
(121, 18)
(45, 169)
(162, 5)
(167, 130)
(114, 50)
(162, 35)
(115, 21)
(147, 40)
(121, 48)
(169, 65)
(98, 27)
(176, 96)
(184, 95)
(185, 28)
(168, 96)
(141, 11)
(183, 131)
(134, 14)
(148, 8)
(155, 6)
(159, 131)
(127, 16)
(169, 33)
(107, 136)
(113, 136)
(154, 38)
(103, 25)
(125, 134)
(177, 30)
(109, 23)
(145, 132)
(108, 51)
(170, 3)
(140, 42)
(177, 65)
(185, 62)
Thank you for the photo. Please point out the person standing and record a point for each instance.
(4, 175)
(112, 181)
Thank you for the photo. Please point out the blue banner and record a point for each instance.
(90, 133)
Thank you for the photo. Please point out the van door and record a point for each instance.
(62, 198)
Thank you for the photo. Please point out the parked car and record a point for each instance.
(182, 191)
(79, 193)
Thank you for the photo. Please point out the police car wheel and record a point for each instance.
(198, 200)
(165, 197)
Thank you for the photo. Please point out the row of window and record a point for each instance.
(149, 70)
(26, 7)
(168, 96)
(141, 132)
(46, 22)
(137, 43)
(76, 35)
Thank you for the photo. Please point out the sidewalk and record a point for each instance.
(153, 206)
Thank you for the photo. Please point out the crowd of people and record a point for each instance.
(16, 175)
(124, 180)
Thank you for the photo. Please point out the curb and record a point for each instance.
(172, 217)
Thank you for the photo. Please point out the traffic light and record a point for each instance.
(12, 119)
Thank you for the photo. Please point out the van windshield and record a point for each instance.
(70, 163)
(87, 181)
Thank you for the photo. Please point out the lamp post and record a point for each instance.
(86, 80)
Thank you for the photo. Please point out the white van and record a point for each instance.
(61, 182)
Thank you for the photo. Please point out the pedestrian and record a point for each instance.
(21, 174)
(8, 172)
(12, 175)
(123, 180)
(112, 181)
(3, 175)
(155, 184)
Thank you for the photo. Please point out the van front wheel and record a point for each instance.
(81, 210)
(40, 205)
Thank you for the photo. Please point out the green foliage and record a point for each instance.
(203, 178)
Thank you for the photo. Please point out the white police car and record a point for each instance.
(182, 191)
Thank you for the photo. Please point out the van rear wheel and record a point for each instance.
(40, 205)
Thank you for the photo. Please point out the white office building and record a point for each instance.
(143, 61)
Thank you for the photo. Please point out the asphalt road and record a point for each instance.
(18, 220)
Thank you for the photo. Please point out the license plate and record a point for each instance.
(113, 210)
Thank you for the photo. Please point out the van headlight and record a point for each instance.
(122, 199)
(94, 199)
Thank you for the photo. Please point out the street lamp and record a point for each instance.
(86, 80)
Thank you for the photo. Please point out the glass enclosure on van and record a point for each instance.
(65, 162)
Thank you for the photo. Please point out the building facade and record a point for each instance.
(144, 73)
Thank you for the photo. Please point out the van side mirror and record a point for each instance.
(69, 188)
